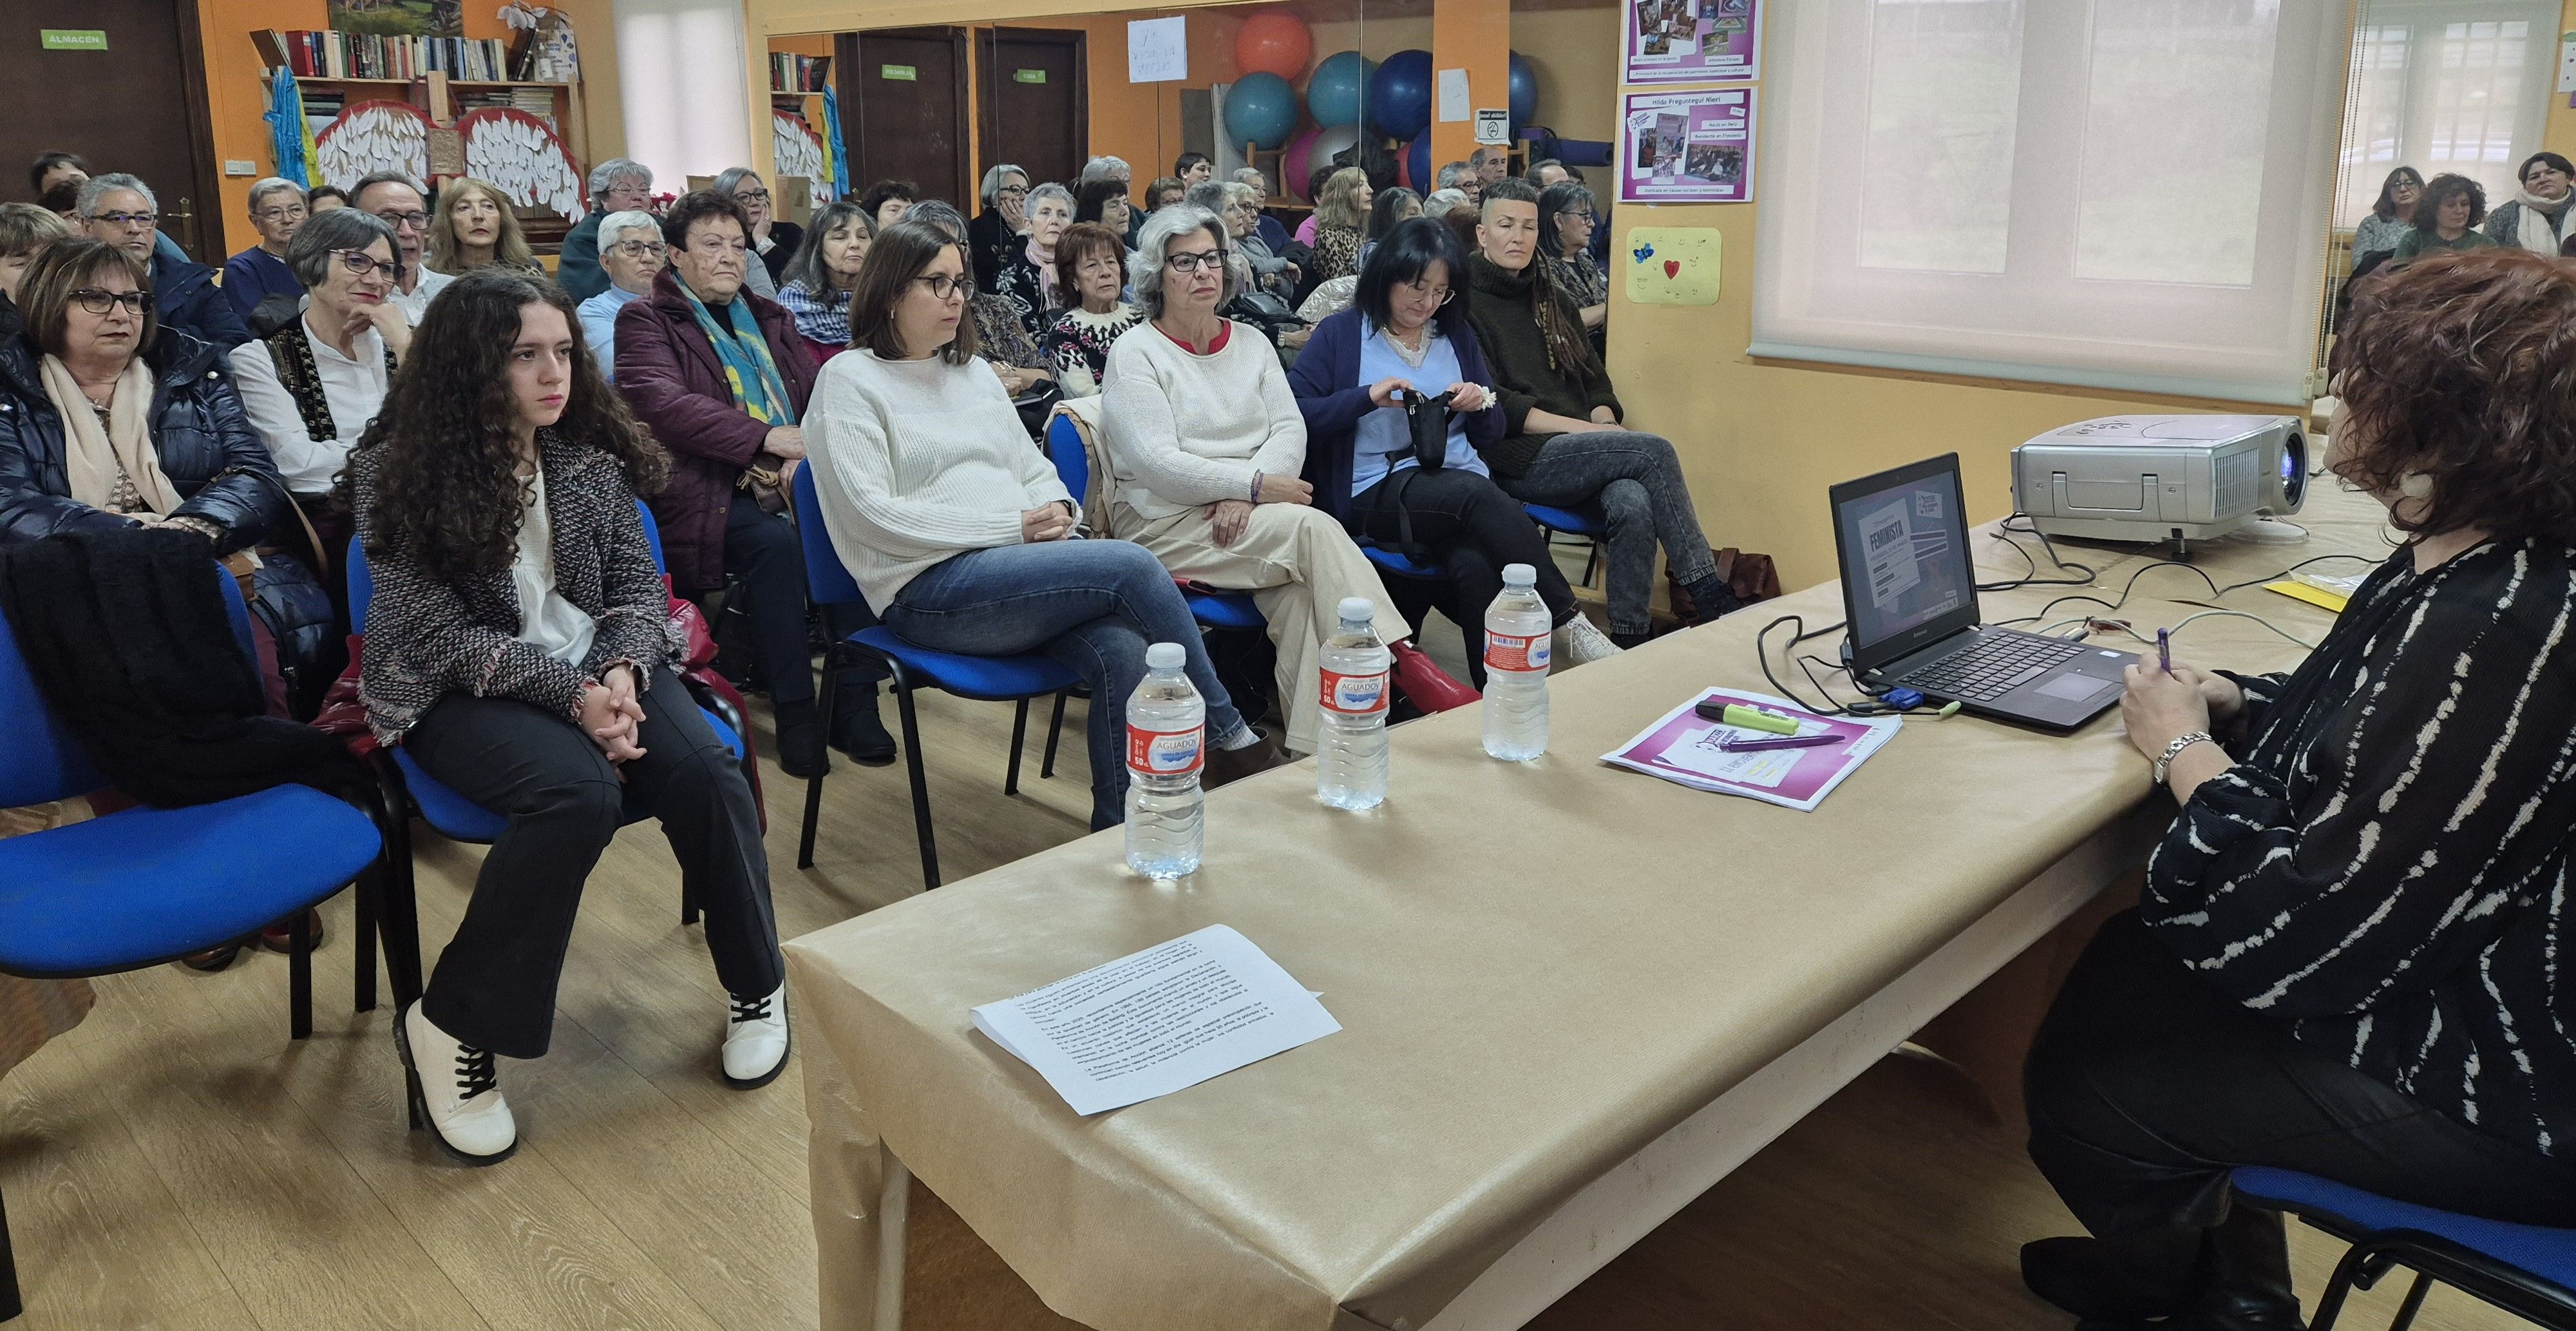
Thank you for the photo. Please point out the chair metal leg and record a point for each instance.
(1592, 565)
(369, 889)
(397, 914)
(2330, 1305)
(920, 783)
(299, 975)
(688, 905)
(814, 783)
(9, 1305)
(1055, 728)
(1019, 740)
(2414, 1303)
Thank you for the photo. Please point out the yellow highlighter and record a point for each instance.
(1754, 718)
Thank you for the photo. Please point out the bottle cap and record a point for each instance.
(1165, 656)
(1519, 575)
(1359, 608)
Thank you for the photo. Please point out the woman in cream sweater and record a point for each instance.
(959, 532)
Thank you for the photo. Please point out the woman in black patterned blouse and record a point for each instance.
(2343, 963)
(1091, 267)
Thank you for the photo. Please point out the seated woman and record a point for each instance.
(631, 254)
(887, 200)
(2447, 214)
(1388, 208)
(313, 387)
(25, 230)
(1565, 222)
(2344, 961)
(1091, 264)
(473, 226)
(1408, 333)
(773, 242)
(1341, 208)
(820, 277)
(1562, 441)
(108, 419)
(1002, 340)
(517, 647)
(1026, 277)
(1240, 209)
(1205, 441)
(1105, 202)
(1003, 226)
(959, 532)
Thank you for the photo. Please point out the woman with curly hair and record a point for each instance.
(473, 226)
(2446, 218)
(518, 647)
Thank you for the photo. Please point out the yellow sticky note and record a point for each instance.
(2312, 595)
(1670, 265)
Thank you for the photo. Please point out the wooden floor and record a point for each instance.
(176, 1162)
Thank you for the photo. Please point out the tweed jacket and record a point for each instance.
(429, 636)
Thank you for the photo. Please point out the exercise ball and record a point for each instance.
(1329, 140)
(1273, 42)
(1417, 164)
(1399, 98)
(1260, 109)
(1524, 95)
(1339, 89)
(1296, 162)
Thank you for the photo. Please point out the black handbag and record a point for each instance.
(1427, 419)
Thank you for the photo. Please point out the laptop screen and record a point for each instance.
(1904, 551)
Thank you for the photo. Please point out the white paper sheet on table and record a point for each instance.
(1683, 747)
(1157, 1021)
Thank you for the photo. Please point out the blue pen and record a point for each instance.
(2164, 650)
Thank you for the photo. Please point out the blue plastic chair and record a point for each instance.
(2527, 1270)
(1594, 531)
(1215, 610)
(451, 815)
(145, 886)
(984, 678)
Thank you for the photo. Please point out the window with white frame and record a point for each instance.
(2446, 85)
(2128, 194)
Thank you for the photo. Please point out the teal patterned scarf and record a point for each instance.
(749, 368)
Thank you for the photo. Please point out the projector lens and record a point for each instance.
(2294, 469)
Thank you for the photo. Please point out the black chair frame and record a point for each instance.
(2430, 1257)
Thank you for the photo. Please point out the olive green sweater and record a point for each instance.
(1498, 308)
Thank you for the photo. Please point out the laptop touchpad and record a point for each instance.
(2076, 688)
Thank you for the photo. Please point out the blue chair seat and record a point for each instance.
(1402, 566)
(460, 819)
(983, 678)
(1225, 610)
(1564, 520)
(146, 885)
(2547, 1253)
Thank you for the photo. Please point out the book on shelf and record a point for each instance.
(798, 73)
(332, 54)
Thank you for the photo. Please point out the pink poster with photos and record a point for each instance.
(1693, 41)
(1687, 147)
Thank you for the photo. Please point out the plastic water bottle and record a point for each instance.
(1166, 747)
(1350, 767)
(1518, 637)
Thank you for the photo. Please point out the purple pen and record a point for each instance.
(1747, 744)
(2164, 650)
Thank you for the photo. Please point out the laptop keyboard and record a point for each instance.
(1993, 666)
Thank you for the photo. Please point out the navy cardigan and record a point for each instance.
(1326, 379)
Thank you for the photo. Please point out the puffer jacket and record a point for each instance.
(671, 375)
(214, 459)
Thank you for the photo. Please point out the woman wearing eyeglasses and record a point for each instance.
(277, 208)
(1565, 245)
(107, 419)
(773, 242)
(1205, 443)
(631, 254)
(962, 537)
(1002, 228)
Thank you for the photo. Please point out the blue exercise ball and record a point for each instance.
(1417, 163)
(1524, 95)
(1338, 91)
(1399, 98)
(1260, 109)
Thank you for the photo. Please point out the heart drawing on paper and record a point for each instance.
(1672, 267)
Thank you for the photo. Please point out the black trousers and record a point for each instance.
(494, 987)
(2147, 1085)
(762, 550)
(1473, 529)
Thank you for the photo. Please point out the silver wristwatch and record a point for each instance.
(2174, 750)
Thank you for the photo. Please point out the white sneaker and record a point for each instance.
(1577, 642)
(454, 1087)
(755, 1040)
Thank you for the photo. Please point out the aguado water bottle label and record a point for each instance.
(1505, 652)
(1354, 695)
(1166, 752)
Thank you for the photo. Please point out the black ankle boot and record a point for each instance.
(800, 740)
(2126, 1278)
(856, 728)
(1712, 598)
(2245, 1276)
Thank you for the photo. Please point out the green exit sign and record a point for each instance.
(1028, 76)
(898, 73)
(74, 39)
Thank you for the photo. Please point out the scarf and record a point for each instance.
(92, 458)
(750, 371)
(1042, 257)
(2536, 225)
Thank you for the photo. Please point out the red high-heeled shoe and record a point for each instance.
(1425, 684)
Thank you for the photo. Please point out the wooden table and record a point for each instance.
(1572, 997)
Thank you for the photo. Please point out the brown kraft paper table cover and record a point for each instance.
(1539, 968)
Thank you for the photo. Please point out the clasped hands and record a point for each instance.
(612, 716)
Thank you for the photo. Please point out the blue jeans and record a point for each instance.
(1094, 605)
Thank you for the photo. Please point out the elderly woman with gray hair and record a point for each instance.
(631, 252)
(998, 230)
(1026, 273)
(772, 242)
(277, 208)
(1205, 442)
(618, 185)
(311, 388)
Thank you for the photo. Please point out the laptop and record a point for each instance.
(1910, 599)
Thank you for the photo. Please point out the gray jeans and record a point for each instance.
(1635, 481)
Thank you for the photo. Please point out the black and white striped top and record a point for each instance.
(2386, 866)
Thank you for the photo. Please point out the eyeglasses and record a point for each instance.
(399, 221)
(287, 214)
(99, 300)
(362, 263)
(1015, 191)
(1211, 260)
(1438, 296)
(752, 195)
(640, 249)
(143, 221)
(942, 286)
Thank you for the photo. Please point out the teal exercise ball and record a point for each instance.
(1260, 109)
(1338, 92)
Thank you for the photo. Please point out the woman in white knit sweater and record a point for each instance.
(959, 532)
(1205, 444)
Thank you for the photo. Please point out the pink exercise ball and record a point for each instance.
(1276, 42)
(1294, 164)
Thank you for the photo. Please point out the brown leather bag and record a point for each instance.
(1751, 577)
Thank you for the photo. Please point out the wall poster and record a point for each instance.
(1687, 147)
(1693, 41)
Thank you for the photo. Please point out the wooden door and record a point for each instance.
(1033, 101)
(903, 107)
(139, 106)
